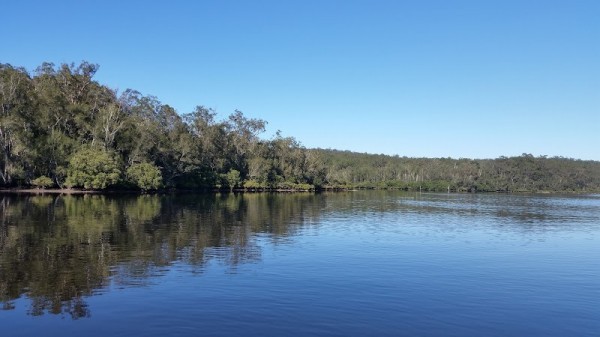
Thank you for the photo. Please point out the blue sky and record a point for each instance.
(471, 79)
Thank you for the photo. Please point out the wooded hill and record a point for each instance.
(60, 128)
(524, 173)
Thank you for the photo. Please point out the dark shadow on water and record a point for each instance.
(57, 250)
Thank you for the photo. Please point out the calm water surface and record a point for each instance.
(367, 263)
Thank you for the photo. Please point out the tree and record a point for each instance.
(146, 176)
(233, 179)
(244, 140)
(16, 123)
(109, 122)
(93, 169)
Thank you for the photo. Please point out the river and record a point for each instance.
(363, 263)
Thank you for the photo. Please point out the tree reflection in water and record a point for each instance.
(57, 250)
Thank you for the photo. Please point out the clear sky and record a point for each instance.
(476, 79)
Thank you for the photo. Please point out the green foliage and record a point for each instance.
(51, 119)
(17, 127)
(42, 182)
(253, 185)
(524, 173)
(145, 176)
(232, 178)
(93, 169)
(291, 186)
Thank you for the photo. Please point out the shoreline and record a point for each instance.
(49, 191)
(68, 191)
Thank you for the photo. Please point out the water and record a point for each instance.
(367, 263)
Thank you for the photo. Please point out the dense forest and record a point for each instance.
(59, 128)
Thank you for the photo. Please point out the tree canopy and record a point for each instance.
(59, 127)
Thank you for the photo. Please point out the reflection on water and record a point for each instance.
(59, 249)
(352, 263)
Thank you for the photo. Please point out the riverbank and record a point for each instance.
(49, 191)
(70, 191)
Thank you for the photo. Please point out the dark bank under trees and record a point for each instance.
(60, 128)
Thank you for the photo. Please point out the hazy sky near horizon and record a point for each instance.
(477, 79)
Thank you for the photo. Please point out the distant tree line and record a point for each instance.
(524, 173)
(59, 128)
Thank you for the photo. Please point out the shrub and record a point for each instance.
(146, 176)
(254, 185)
(292, 186)
(92, 169)
(232, 178)
(42, 182)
